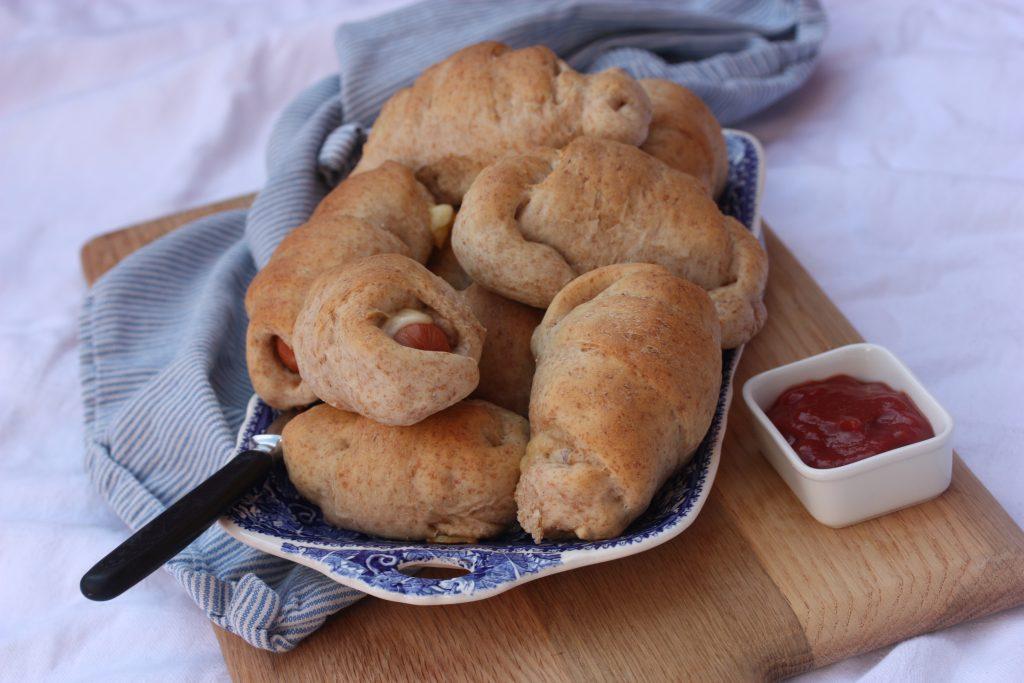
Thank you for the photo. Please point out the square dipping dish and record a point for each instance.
(876, 485)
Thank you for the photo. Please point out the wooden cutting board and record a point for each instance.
(754, 589)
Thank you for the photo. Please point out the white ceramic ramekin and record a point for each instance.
(871, 487)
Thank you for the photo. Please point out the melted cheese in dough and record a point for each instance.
(442, 216)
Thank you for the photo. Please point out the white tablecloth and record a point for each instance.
(896, 176)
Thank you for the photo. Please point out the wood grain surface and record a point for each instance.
(755, 589)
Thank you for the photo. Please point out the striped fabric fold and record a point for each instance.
(739, 55)
(162, 334)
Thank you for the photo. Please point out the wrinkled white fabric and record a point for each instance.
(895, 175)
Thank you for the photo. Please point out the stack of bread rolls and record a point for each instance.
(513, 309)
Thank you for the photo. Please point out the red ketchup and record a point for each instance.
(839, 420)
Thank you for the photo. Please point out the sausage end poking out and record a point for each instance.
(423, 336)
(417, 330)
(286, 355)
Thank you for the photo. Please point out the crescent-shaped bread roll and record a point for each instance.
(486, 100)
(506, 364)
(629, 367)
(533, 222)
(386, 211)
(450, 478)
(685, 134)
(347, 340)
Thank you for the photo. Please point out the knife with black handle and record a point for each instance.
(172, 530)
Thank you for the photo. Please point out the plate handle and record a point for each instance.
(488, 570)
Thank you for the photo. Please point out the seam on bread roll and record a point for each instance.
(685, 135)
(739, 302)
(488, 240)
(386, 211)
(596, 203)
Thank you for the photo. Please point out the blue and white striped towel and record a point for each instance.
(162, 357)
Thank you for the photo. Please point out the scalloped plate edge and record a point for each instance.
(570, 559)
(759, 191)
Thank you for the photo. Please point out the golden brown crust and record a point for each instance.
(628, 372)
(739, 303)
(506, 364)
(389, 199)
(386, 211)
(489, 243)
(486, 100)
(449, 478)
(351, 363)
(685, 134)
(532, 222)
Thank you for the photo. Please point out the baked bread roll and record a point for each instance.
(386, 211)
(450, 478)
(385, 338)
(444, 265)
(685, 134)
(629, 367)
(487, 99)
(532, 222)
(506, 363)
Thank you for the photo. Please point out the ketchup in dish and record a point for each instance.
(839, 420)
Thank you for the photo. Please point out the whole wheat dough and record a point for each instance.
(532, 222)
(349, 360)
(488, 99)
(449, 478)
(685, 134)
(386, 211)
(629, 367)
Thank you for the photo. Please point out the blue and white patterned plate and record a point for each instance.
(277, 520)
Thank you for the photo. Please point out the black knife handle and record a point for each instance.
(174, 528)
